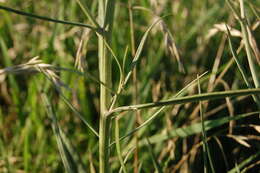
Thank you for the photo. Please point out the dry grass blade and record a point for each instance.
(31, 66)
(92, 168)
(253, 44)
(257, 128)
(221, 27)
(240, 139)
(35, 65)
(80, 62)
(171, 45)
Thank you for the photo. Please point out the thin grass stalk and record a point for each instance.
(206, 151)
(155, 162)
(126, 158)
(204, 138)
(158, 111)
(118, 148)
(244, 26)
(240, 67)
(245, 162)
(187, 99)
(31, 15)
(87, 13)
(135, 89)
(105, 17)
(222, 152)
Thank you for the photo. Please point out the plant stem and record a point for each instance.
(187, 99)
(105, 16)
(135, 89)
(48, 19)
(244, 27)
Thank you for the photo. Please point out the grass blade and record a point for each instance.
(157, 112)
(126, 158)
(206, 151)
(245, 162)
(139, 50)
(118, 149)
(68, 162)
(244, 26)
(252, 65)
(88, 14)
(184, 132)
(240, 67)
(204, 137)
(78, 114)
(155, 162)
(188, 99)
(47, 18)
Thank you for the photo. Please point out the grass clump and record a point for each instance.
(113, 86)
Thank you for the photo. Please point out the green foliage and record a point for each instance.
(126, 105)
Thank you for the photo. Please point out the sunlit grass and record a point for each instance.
(112, 87)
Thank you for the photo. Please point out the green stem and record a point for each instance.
(252, 66)
(187, 99)
(105, 16)
(48, 19)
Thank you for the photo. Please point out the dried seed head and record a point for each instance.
(80, 62)
(30, 67)
(221, 27)
(171, 45)
(34, 65)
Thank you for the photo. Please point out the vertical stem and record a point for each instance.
(105, 16)
(135, 90)
(251, 62)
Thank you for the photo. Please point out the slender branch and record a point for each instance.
(105, 16)
(49, 19)
(88, 14)
(187, 99)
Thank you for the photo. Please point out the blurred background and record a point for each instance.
(191, 35)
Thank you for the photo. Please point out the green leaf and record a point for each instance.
(196, 128)
(69, 156)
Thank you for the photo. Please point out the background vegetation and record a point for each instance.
(190, 40)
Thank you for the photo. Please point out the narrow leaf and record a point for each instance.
(66, 151)
(139, 51)
(188, 99)
(245, 162)
(47, 18)
(196, 128)
(118, 148)
(88, 14)
(155, 162)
